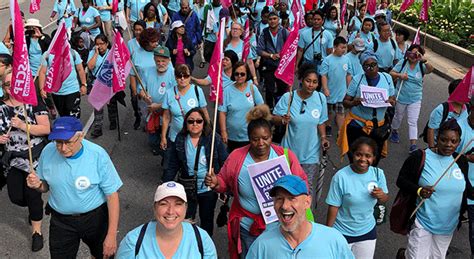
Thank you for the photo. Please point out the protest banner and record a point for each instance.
(263, 175)
(374, 97)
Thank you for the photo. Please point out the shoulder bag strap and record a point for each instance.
(312, 42)
(178, 97)
(196, 159)
(187, 18)
(199, 240)
(197, 94)
(140, 238)
(252, 92)
(422, 163)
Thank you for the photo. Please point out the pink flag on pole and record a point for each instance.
(405, 5)
(246, 47)
(215, 66)
(302, 13)
(226, 3)
(61, 66)
(286, 67)
(102, 90)
(465, 89)
(424, 10)
(343, 11)
(371, 6)
(122, 65)
(34, 6)
(416, 40)
(22, 85)
(270, 2)
(114, 7)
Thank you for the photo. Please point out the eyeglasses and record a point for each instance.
(303, 107)
(198, 121)
(183, 76)
(241, 74)
(370, 66)
(69, 144)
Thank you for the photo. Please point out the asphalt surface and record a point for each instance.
(140, 171)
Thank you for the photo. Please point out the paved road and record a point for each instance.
(140, 172)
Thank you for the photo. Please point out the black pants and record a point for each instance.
(68, 105)
(274, 87)
(112, 114)
(233, 145)
(355, 132)
(207, 205)
(208, 49)
(22, 195)
(66, 232)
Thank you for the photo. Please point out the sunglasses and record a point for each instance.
(370, 66)
(198, 121)
(183, 76)
(242, 74)
(411, 54)
(303, 107)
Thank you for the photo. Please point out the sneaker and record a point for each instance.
(328, 131)
(401, 253)
(96, 133)
(136, 124)
(394, 138)
(113, 125)
(37, 242)
(413, 147)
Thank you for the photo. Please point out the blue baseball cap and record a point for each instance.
(64, 128)
(292, 183)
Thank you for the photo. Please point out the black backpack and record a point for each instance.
(142, 234)
(376, 43)
(424, 134)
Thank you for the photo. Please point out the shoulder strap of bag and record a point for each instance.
(421, 69)
(177, 97)
(252, 92)
(422, 163)
(187, 18)
(445, 112)
(376, 42)
(312, 42)
(197, 94)
(199, 240)
(196, 159)
(140, 238)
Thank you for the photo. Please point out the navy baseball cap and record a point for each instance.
(64, 128)
(292, 183)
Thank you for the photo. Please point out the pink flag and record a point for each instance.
(405, 5)
(114, 7)
(34, 5)
(61, 66)
(122, 65)
(416, 40)
(226, 3)
(22, 85)
(343, 11)
(302, 12)
(424, 10)
(246, 48)
(465, 90)
(371, 6)
(270, 2)
(102, 90)
(286, 67)
(215, 66)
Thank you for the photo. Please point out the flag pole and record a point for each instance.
(28, 138)
(401, 83)
(289, 107)
(444, 174)
(424, 41)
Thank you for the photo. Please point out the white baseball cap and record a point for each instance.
(176, 24)
(169, 189)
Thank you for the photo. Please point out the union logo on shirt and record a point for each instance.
(82, 183)
(371, 186)
(457, 174)
(192, 102)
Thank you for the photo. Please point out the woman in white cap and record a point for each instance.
(180, 46)
(168, 235)
(37, 43)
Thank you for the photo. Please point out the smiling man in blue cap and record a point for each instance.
(296, 237)
(83, 185)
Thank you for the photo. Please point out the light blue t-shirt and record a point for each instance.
(323, 42)
(236, 104)
(386, 54)
(189, 100)
(202, 166)
(303, 136)
(35, 53)
(257, 8)
(88, 19)
(188, 246)
(357, 23)
(135, 6)
(354, 62)
(440, 213)
(401, 52)
(385, 82)
(105, 15)
(437, 115)
(412, 89)
(367, 37)
(4, 49)
(351, 193)
(78, 185)
(71, 84)
(322, 242)
(247, 197)
(331, 26)
(466, 136)
(144, 63)
(239, 49)
(336, 69)
(158, 84)
(63, 7)
(100, 59)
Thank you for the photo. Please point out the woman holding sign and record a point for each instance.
(245, 219)
(367, 119)
(308, 113)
